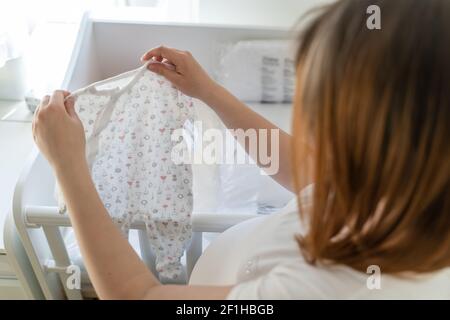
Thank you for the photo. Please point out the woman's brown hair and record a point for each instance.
(375, 107)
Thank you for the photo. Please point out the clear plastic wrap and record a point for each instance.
(258, 70)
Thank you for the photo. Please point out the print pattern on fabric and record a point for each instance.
(129, 147)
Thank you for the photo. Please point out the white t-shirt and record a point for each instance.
(262, 259)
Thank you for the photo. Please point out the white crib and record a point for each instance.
(36, 222)
(39, 224)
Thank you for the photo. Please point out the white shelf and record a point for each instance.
(15, 111)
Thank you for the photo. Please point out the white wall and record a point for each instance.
(284, 13)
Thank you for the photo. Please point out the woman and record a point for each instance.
(370, 130)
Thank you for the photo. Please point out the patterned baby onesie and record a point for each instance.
(129, 120)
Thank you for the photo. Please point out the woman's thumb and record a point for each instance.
(70, 106)
(165, 70)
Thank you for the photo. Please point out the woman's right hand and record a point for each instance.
(182, 70)
(187, 75)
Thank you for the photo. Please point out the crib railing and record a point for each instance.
(49, 220)
(39, 228)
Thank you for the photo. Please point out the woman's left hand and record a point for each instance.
(58, 132)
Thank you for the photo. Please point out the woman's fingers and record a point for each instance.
(58, 136)
(57, 98)
(70, 107)
(166, 72)
(161, 53)
(180, 68)
(44, 102)
(164, 63)
(69, 103)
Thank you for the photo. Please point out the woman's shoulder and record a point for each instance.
(297, 279)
